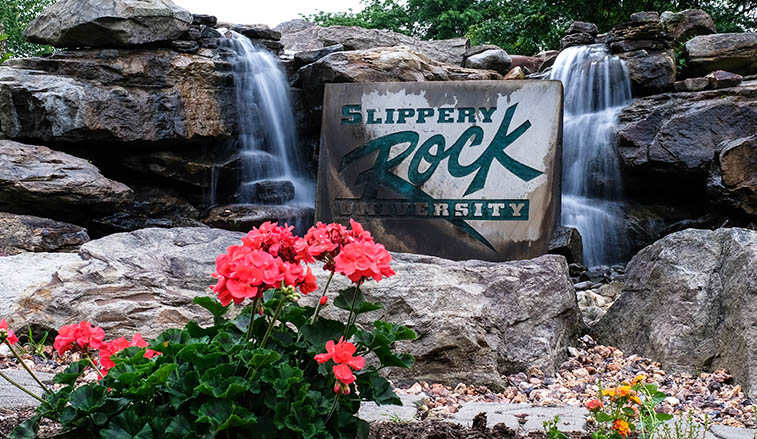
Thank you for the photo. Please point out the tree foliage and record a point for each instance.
(15, 16)
(523, 26)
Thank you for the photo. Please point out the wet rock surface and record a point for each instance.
(25, 233)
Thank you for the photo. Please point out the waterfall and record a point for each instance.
(272, 168)
(597, 88)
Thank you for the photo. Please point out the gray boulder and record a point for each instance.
(567, 241)
(582, 27)
(257, 31)
(650, 140)
(450, 51)
(38, 180)
(722, 79)
(292, 26)
(476, 321)
(493, 59)
(733, 176)
(310, 56)
(24, 233)
(689, 302)
(734, 52)
(645, 17)
(388, 64)
(651, 71)
(243, 217)
(578, 39)
(687, 24)
(692, 84)
(117, 95)
(108, 23)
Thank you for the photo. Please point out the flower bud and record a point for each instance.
(323, 300)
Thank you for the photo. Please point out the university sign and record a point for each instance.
(462, 170)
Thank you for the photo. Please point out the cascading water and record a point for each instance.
(597, 88)
(267, 140)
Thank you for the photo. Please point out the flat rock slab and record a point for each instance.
(723, 432)
(13, 398)
(572, 419)
(372, 412)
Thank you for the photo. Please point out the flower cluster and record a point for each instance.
(626, 408)
(9, 334)
(360, 260)
(265, 260)
(115, 346)
(82, 336)
(323, 242)
(342, 354)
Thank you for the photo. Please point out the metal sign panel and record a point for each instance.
(461, 170)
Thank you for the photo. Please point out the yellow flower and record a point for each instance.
(609, 392)
(624, 391)
(635, 399)
(639, 378)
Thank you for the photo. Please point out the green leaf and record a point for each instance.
(347, 296)
(222, 414)
(212, 305)
(127, 425)
(27, 429)
(149, 386)
(88, 398)
(603, 417)
(179, 426)
(629, 411)
(663, 417)
(72, 373)
(382, 391)
(180, 385)
(282, 377)
(194, 354)
(259, 357)
(318, 334)
(223, 386)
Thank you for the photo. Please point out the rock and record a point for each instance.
(651, 71)
(89, 97)
(637, 31)
(395, 64)
(257, 31)
(631, 45)
(493, 59)
(357, 38)
(310, 56)
(652, 148)
(734, 52)
(530, 64)
(567, 241)
(516, 315)
(40, 181)
(185, 46)
(194, 33)
(516, 73)
(689, 302)
(108, 23)
(580, 39)
(475, 50)
(152, 207)
(645, 17)
(692, 84)
(582, 27)
(547, 58)
(722, 79)
(24, 233)
(687, 24)
(292, 26)
(733, 177)
(140, 281)
(204, 20)
(243, 217)
(267, 191)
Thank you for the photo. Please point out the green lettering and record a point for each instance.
(487, 113)
(466, 112)
(351, 115)
(424, 113)
(445, 115)
(405, 113)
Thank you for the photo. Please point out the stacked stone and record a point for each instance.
(579, 34)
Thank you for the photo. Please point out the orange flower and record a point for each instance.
(621, 427)
(635, 399)
(639, 378)
(594, 404)
(624, 390)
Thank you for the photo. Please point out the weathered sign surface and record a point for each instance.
(461, 170)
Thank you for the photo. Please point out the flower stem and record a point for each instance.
(253, 311)
(22, 388)
(318, 306)
(92, 362)
(333, 408)
(20, 360)
(273, 321)
(352, 309)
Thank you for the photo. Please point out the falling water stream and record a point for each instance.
(268, 135)
(597, 88)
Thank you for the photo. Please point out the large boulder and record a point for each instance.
(673, 137)
(733, 176)
(388, 64)
(493, 59)
(38, 180)
(651, 71)
(108, 23)
(25, 233)
(476, 321)
(734, 52)
(689, 302)
(684, 25)
(450, 51)
(123, 96)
